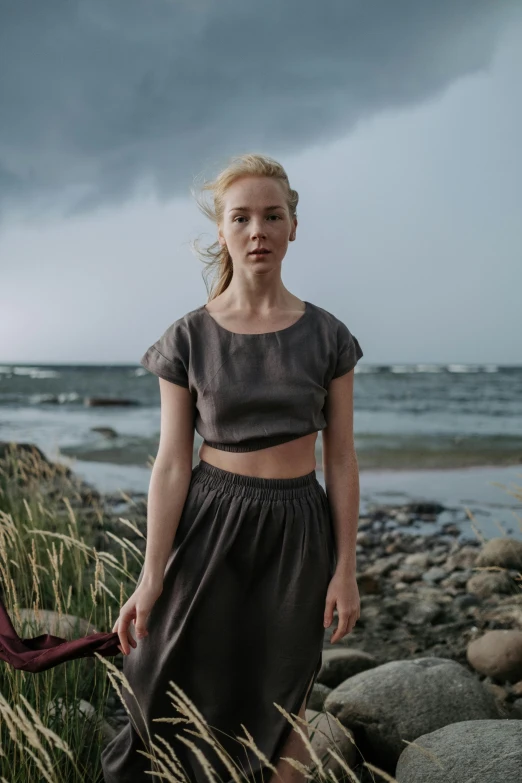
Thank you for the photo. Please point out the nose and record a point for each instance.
(258, 231)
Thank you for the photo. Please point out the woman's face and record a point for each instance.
(256, 215)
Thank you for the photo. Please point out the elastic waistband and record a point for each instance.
(255, 486)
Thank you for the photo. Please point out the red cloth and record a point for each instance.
(45, 651)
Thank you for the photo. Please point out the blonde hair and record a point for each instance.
(220, 263)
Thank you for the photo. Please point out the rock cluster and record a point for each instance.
(428, 684)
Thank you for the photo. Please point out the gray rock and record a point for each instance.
(406, 574)
(401, 700)
(419, 560)
(364, 538)
(497, 654)
(93, 402)
(422, 613)
(516, 709)
(466, 600)
(108, 432)
(439, 552)
(339, 665)
(368, 584)
(80, 710)
(434, 574)
(457, 579)
(470, 751)
(68, 626)
(503, 552)
(488, 583)
(318, 696)
(508, 611)
(324, 733)
(463, 558)
(422, 508)
(384, 565)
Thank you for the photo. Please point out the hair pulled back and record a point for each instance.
(250, 164)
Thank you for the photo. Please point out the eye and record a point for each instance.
(242, 217)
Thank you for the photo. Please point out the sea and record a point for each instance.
(445, 434)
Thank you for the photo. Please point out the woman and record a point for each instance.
(247, 556)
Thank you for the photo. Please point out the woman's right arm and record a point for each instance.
(170, 478)
(168, 489)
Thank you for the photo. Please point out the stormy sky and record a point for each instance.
(398, 122)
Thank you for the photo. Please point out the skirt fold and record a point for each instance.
(238, 626)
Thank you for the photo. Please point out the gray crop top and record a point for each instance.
(252, 391)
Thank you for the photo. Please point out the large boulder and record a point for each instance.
(401, 700)
(470, 751)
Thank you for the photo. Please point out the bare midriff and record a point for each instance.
(286, 460)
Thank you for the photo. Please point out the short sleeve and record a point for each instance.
(348, 351)
(168, 357)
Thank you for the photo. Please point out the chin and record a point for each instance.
(262, 259)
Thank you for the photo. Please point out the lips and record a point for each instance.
(259, 252)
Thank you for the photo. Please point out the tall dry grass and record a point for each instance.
(49, 559)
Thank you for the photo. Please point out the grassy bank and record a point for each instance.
(59, 552)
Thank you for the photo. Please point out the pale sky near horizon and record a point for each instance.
(399, 124)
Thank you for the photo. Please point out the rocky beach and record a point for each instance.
(431, 670)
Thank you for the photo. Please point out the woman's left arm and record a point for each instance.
(341, 474)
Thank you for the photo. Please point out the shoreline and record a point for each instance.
(137, 454)
(374, 452)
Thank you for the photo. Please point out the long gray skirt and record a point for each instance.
(238, 626)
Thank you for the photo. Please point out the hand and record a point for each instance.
(137, 608)
(343, 591)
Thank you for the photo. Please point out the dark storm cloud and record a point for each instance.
(99, 96)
